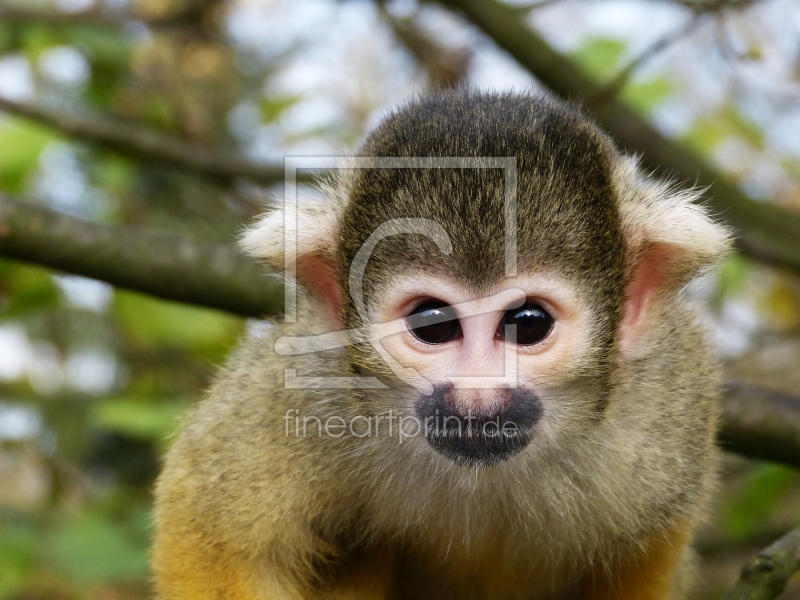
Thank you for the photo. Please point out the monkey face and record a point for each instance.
(417, 255)
(491, 362)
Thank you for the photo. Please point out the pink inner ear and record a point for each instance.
(318, 276)
(651, 275)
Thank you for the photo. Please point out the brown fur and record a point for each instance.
(600, 506)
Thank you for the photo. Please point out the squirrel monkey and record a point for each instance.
(494, 387)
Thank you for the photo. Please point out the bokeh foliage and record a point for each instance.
(99, 377)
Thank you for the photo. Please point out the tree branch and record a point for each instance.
(757, 423)
(446, 67)
(10, 14)
(766, 231)
(761, 424)
(148, 144)
(612, 87)
(767, 574)
(161, 264)
(190, 14)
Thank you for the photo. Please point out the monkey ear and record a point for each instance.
(670, 240)
(315, 259)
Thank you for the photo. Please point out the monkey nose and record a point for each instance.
(499, 429)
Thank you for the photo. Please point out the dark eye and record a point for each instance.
(532, 321)
(434, 323)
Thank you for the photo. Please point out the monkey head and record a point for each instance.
(507, 261)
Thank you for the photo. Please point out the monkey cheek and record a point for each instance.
(478, 440)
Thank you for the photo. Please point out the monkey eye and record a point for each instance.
(532, 321)
(434, 323)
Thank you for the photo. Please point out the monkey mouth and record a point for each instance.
(472, 447)
(478, 440)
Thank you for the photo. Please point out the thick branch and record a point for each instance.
(149, 144)
(53, 17)
(162, 264)
(766, 575)
(761, 424)
(100, 16)
(766, 231)
(757, 423)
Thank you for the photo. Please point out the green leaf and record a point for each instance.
(645, 95)
(25, 289)
(732, 276)
(104, 46)
(17, 559)
(140, 418)
(6, 37)
(21, 143)
(37, 38)
(600, 56)
(743, 127)
(728, 122)
(744, 517)
(159, 322)
(273, 107)
(704, 135)
(113, 172)
(159, 110)
(95, 549)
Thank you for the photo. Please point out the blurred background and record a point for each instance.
(172, 118)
